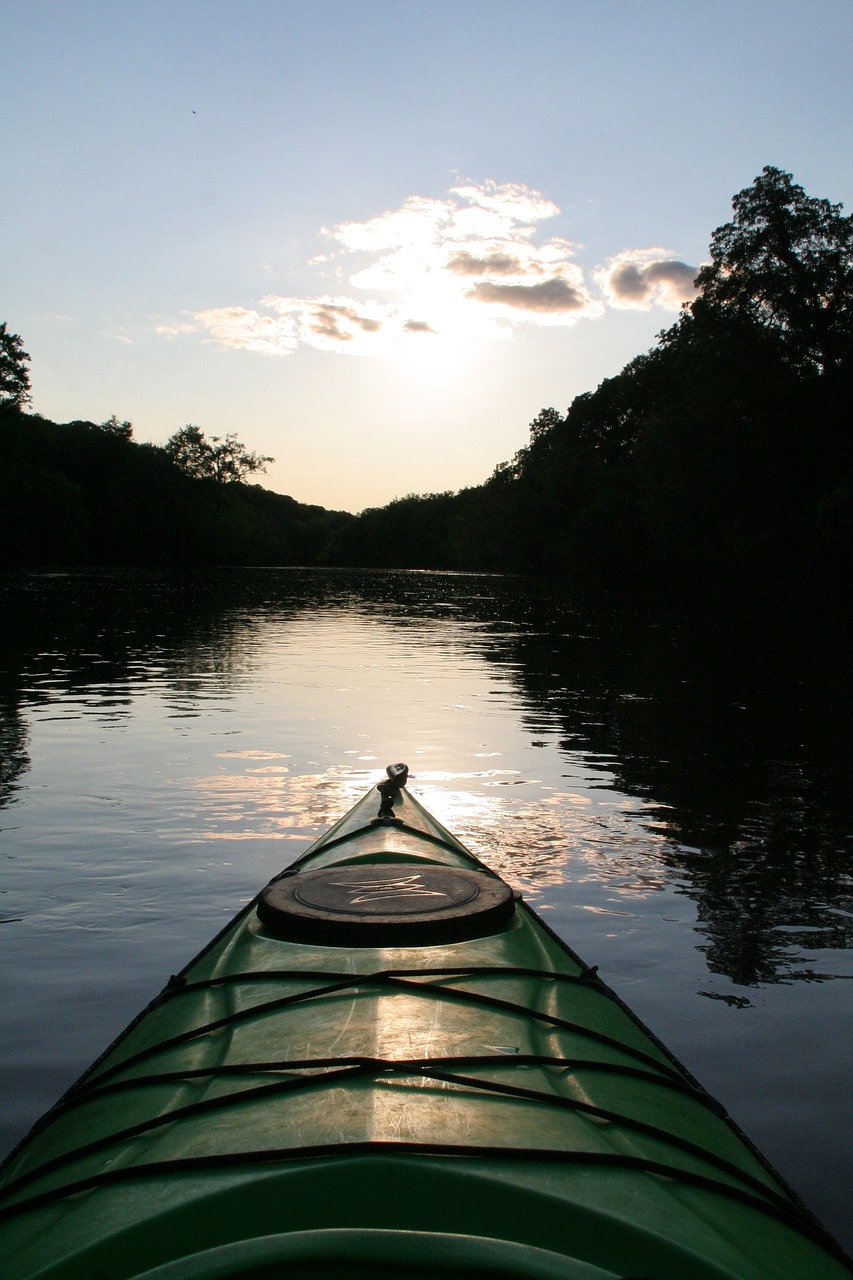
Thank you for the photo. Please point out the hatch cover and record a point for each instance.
(386, 904)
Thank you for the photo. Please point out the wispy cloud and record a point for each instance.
(469, 266)
(240, 327)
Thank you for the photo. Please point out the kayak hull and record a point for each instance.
(388, 1064)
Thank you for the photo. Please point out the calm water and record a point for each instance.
(669, 785)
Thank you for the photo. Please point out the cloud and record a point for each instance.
(464, 263)
(239, 327)
(339, 321)
(511, 202)
(554, 296)
(645, 278)
(470, 266)
(418, 221)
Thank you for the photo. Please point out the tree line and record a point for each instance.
(726, 449)
(81, 493)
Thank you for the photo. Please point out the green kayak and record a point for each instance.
(388, 1066)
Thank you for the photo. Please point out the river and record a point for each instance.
(666, 780)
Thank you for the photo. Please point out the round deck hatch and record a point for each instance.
(386, 904)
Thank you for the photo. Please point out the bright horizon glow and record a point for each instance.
(375, 240)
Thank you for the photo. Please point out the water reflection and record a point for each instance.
(720, 741)
(14, 760)
(733, 728)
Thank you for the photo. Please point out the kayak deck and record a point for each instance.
(332, 1105)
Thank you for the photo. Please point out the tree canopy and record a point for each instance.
(14, 375)
(114, 427)
(225, 459)
(784, 264)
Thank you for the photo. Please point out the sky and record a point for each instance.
(375, 238)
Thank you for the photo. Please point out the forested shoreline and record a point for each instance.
(78, 493)
(724, 450)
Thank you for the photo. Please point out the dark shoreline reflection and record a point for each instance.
(728, 720)
(14, 759)
(732, 720)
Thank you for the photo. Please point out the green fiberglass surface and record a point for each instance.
(450, 1090)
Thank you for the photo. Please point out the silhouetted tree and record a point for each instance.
(14, 376)
(232, 461)
(121, 430)
(224, 459)
(189, 451)
(546, 420)
(784, 264)
(610, 419)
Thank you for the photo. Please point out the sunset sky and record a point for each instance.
(376, 238)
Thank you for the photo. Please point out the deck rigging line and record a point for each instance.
(398, 978)
(371, 1068)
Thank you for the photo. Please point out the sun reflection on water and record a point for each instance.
(538, 837)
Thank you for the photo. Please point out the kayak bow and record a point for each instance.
(388, 1065)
